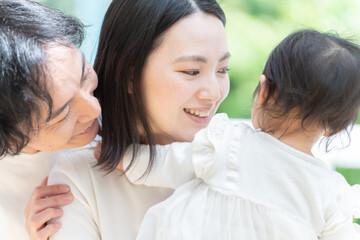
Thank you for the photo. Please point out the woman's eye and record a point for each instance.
(191, 73)
(224, 70)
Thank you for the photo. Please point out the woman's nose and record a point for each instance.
(210, 90)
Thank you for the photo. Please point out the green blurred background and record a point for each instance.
(254, 28)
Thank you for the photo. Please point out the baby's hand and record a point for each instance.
(357, 227)
(43, 206)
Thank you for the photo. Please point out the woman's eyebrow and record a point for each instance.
(226, 56)
(191, 58)
(202, 59)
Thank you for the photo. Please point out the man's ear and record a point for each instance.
(264, 90)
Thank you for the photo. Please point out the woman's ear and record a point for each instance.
(130, 88)
(130, 83)
(264, 90)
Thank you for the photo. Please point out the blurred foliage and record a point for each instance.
(255, 27)
(352, 175)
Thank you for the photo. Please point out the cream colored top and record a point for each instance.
(19, 175)
(248, 185)
(106, 206)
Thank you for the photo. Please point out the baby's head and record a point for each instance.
(310, 78)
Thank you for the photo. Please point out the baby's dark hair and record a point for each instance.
(316, 74)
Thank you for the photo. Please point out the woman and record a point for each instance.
(162, 68)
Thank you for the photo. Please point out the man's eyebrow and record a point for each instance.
(61, 109)
(83, 69)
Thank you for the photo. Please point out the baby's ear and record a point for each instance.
(328, 132)
(264, 90)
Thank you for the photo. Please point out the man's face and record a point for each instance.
(71, 85)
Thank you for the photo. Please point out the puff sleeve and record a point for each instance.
(340, 225)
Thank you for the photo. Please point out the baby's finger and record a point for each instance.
(357, 227)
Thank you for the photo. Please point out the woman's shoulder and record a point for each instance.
(76, 158)
(74, 164)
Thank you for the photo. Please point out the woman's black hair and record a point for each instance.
(131, 31)
(318, 75)
(26, 29)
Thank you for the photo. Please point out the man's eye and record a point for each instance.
(64, 118)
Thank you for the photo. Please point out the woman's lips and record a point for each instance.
(198, 116)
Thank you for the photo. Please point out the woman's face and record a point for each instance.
(75, 110)
(185, 78)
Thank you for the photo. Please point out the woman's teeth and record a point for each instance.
(198, 113)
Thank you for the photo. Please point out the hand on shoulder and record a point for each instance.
(43, 206)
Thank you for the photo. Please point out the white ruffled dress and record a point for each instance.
(248, 185)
